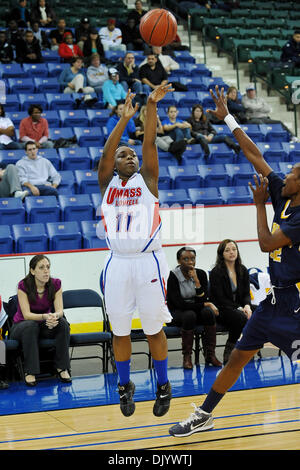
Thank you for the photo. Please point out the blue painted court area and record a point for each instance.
(97, 390)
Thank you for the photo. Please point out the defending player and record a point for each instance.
(135, 272)
(277, 318)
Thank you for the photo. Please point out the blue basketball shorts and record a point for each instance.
(275, 320)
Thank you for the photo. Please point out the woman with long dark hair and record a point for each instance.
(230, 292)
(40, 315)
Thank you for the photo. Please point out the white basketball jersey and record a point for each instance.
(130, 214)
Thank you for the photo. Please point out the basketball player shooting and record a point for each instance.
(135, 272)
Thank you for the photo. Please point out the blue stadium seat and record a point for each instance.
(36, 70)
(211, 82)
(206, 196)
(64, 236)
(11, 156)
(236, 195)
(30, 238)
(186, 98)
(21, 85)
(16, 116)
(198, 69)
(47, 85)
(27, 100)
(52, 118)
(220, 153)
(214, 175)
(168, 100)
(164, 179)
(67, 184)
(194, 83)
(185, 177)
(274, 133)
(222, 129)
(272, 151)
(87, 181)
(174, 196)
(95, 153)
(90, 239)
(292, 150)
(59, 101)
(89, 136)
(98, 117)
(75, 158)
(52, 156)
(284, 168)
(96, 199)
(12, 103)
(193, 153)
(6, 240)
(55, 69)
(240, 174)
(254, 132)
(76, 207)
(183, 57)
(167, 159)
(51, 57)
(205, 99)
(42, 209)
(11, 211)
(12, 71)
(56, 133)
(74, 118)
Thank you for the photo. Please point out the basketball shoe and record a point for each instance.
(163, 397)
(196, 422)
(126, 393)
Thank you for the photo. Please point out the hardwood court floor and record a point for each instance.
(261, 419)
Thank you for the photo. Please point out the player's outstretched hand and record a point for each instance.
(129, 111)
(221, 104)
(160, 92)
(260, 192)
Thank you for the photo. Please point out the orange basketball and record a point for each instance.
(158, 27)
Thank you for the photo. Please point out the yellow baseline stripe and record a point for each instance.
(92, 327)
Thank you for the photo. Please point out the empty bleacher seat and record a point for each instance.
(51, 57)
(193, 154)
(198, 69)
(11, 103)
(89, 235)
(205, 99)
(96, 199)
(98, 117)
(186, 98)
(272, 151)
(75, 158)
(56, 133)
(206, 196)
(52, 118)
(51, 155)
(236, 195)
(30, 238)
(21, 85)
(47, 85)
(167, 159)
(174, 196)
(214, 175)
(59, 101)
(6, 240)
(42, 209)
(185, 176)
(11, 211)
(16, 116)
(27, 100)
(89, 136)
(240, 174)
(184, 57)
(64, 236)
(164, 179)
(292, 150)
(254, 132)
(12, 71)
(11, 156)
(274, 133)
(95, 153)
(72, 118)
(87, 181)
(284, 168)
(220, 153)
(55, 69)
(76, 207)
(67, 184)
(36, 70)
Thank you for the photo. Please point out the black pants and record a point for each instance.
(189, 319)
(28, 333)
(234, 320)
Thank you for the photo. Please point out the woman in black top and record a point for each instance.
(187, 297)
(230, 292)
(204, 133)
(235, 106)
(93, 45)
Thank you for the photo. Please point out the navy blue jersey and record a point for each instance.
(284, 262)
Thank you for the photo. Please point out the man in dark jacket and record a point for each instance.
(6, 50)
(28, 50)
(291, 50)
(21, 14)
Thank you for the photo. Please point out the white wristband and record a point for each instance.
(231, 122)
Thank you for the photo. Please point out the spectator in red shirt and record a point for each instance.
(68, 50)
(35, 128)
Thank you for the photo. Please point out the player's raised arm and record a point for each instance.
(149, 169)
(107, 161)
(249, 148)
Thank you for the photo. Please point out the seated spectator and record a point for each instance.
(7, 132)
(37, 174)
(40, 35)
(67, 49)
(235, 106)
(82, 32)
(21, 14)
(97, 73)
(112, 89)
(10, 185)
(56, 36)
(13, 33)
(166, 61)
(43, 14)
(28, 50)
(35, 128)
(291, 50)
(93, 45)
(203, 132)
(230, 292)
(176, 128)
(131, 36)
(6, 50)
(152, 73)
(129, 75)
(137, 13)
(74, 80)
(111, 37)
(128, 137)
(40, 314)
(189, 305)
